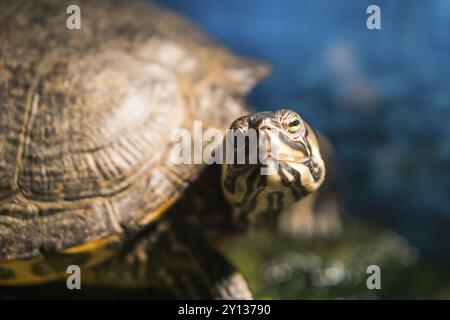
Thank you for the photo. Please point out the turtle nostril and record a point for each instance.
(263, 124)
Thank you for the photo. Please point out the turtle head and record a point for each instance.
(273, 160)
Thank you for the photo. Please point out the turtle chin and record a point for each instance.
(258, 193)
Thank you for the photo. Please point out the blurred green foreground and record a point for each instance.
(281, 268)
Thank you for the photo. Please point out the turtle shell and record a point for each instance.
(86, 118)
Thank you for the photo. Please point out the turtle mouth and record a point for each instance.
(287, 158)
(291, 158)
(278, 147)
(270, 157)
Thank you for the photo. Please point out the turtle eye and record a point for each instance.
(294, 125)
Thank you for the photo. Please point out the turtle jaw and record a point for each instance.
(257, 195)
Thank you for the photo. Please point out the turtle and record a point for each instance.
(87, 176)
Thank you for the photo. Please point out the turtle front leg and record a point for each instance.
(171, 262)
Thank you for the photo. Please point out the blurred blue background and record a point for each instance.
(381, 96)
